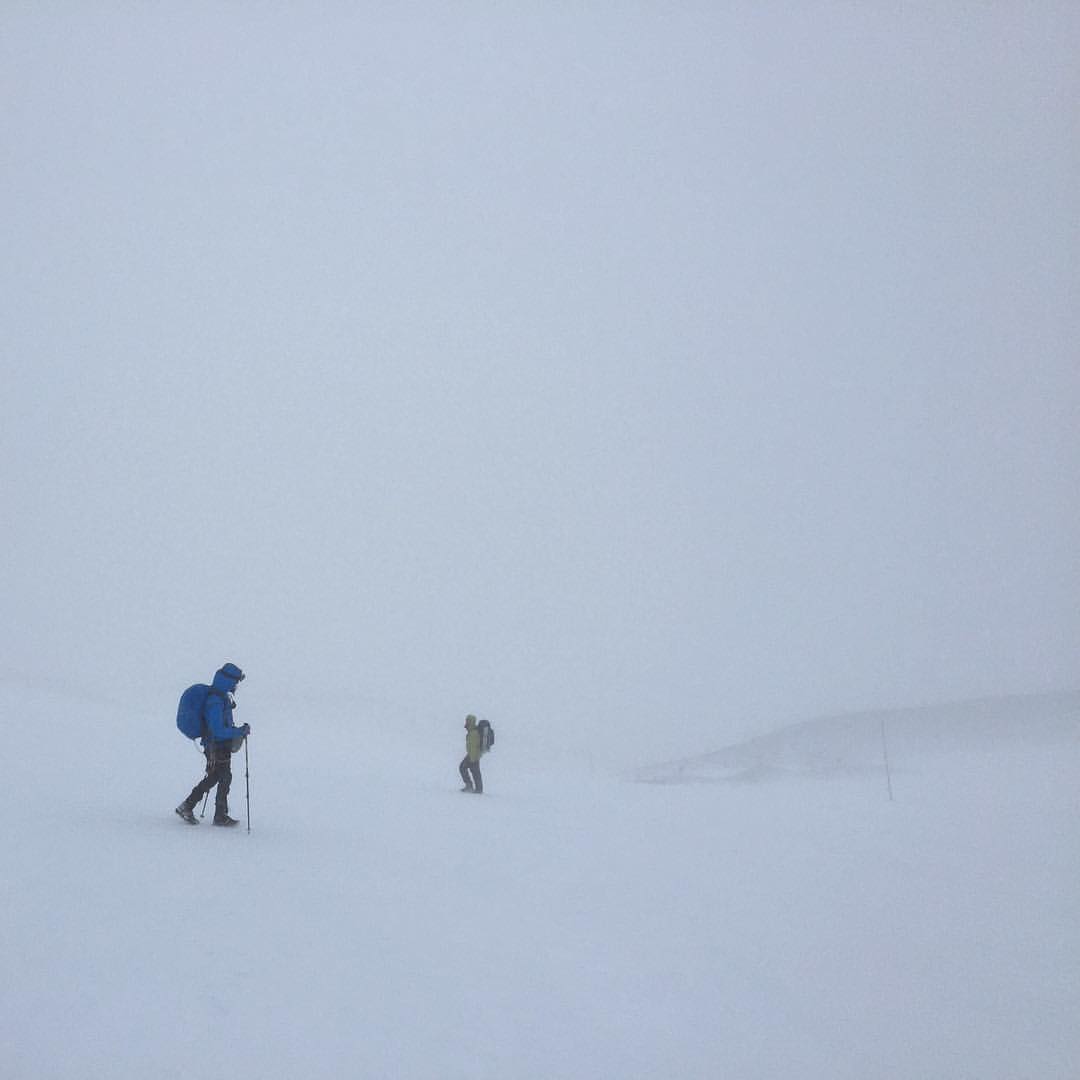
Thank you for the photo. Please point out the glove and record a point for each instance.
(245, 731)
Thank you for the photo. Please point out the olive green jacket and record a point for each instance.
(472, 741)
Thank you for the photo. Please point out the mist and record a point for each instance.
(644, 372)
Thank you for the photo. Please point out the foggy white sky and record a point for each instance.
(713, 365)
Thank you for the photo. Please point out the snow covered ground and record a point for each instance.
(762, 912)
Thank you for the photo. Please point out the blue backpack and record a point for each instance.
(189, 714)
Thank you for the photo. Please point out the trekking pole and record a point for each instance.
(202, 812)
(247, 785)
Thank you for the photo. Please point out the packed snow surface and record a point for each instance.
(769, 910)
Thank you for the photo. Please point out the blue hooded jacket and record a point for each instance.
(219, 708)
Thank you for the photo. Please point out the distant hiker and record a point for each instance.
(220, 740)
(470, 763)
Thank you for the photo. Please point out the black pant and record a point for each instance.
(470, 773)
(218, 771)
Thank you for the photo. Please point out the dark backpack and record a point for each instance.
(487, 736)
(189, 713)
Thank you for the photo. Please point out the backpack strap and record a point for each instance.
(217, 693)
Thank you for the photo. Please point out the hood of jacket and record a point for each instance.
(227, 678)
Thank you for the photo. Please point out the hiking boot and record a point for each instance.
(185, 812)
(224, 819)
(467, 787)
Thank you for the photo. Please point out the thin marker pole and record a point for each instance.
(885, 754)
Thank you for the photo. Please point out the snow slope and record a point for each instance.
(764, 912)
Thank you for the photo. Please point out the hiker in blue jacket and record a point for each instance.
(220, 741)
